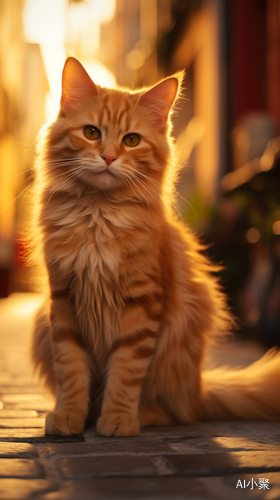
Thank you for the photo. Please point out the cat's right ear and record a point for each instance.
(75, 83)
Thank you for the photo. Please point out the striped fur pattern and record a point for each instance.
(131, 300)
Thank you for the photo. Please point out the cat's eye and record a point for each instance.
(92, 133)
(131, 140)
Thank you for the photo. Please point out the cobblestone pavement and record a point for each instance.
(230, 460)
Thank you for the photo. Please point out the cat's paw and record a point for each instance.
(117, 424)
(63, 423)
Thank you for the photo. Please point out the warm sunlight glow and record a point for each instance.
(24, 305)
(191, 136)
(99, 73)
(63, 28)
(200, 46)
(44, 21)
(9, 185)
(21, 305)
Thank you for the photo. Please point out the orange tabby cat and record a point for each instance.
(132, 300)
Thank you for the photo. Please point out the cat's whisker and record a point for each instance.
(16, 175)
(146, 177)
(26, 192)
(62, 159)
(138, 183)
(190, 205)
(178, 195)
(30, 177)
(147, 189)
(28, 145)
(178, 210)
(69, 173)
(16, 198)
(128, 172)
(133, 183)
(70, 176)
(158, 201)
(53, 168)
(53, 164)
(128, 181)
(157, 185)
(58, 187)
(78, 167)
(63, 163)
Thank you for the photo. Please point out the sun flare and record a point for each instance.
(64, 28)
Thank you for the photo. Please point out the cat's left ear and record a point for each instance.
(161, 98)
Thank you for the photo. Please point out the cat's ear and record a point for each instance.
(160, 98)
(75, 83)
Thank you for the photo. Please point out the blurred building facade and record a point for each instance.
(231, 51)
(22, 112)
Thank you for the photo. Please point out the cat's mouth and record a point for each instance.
(103, 178)
(105, 171)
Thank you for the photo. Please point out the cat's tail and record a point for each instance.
(251, 393)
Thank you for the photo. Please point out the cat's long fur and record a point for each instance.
(132, 300)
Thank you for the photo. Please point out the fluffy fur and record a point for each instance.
(132, 300)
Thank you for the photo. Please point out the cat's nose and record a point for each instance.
(108, 159)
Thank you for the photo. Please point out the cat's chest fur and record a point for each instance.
(84, 240)
(94, 238)
(98, 251)
(94, 246)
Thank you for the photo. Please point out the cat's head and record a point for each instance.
(112, 139)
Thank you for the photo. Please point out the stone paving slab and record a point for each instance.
(199, 462)
(18, 450)
(21, 469)
(22, 398)
(146, 446)
(36, 405)
(4, 414)
(220, 464)
(166, 488)
(8, 381)
(19, 423)
(138, 488)
(15, 387)
(29, 433)
(30, 401)
(218, 444)
(112, 447)
(21, 489)
(107, 466)
(36, 436)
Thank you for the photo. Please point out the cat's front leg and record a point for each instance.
(127, 368)
(72, 372)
